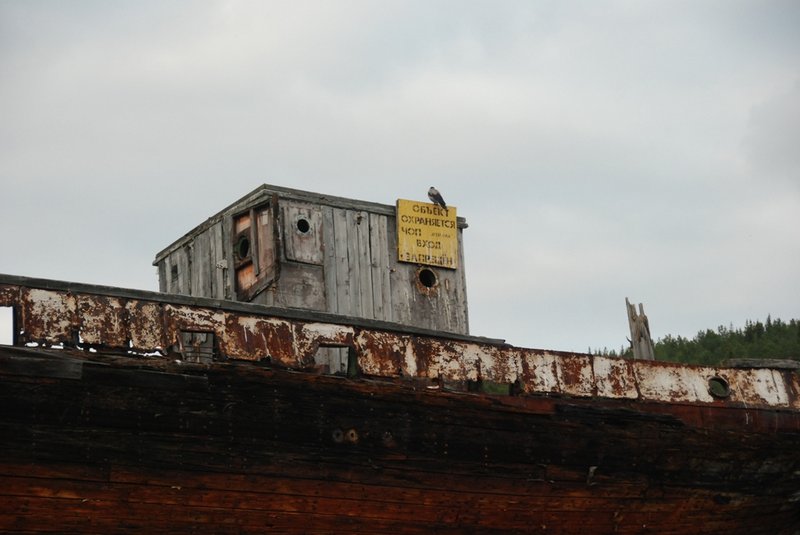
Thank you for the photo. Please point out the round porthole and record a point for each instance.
(242, 248)
(303, 226)
(427, 277)
(719, 387)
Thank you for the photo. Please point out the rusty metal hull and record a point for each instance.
(126, 429)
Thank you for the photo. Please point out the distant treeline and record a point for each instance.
(774, 339)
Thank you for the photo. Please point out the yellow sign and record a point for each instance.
(427, 234)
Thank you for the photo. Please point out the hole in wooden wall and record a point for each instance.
(303, 225)
(6, 325)
(427, 278)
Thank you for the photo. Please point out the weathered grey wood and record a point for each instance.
(302, 246)
(354, 244)
(329, 255)
(640, 333)
(184, 274)
(343, 286)
(162, 276)
(200, 277)
(461, 290)
(301, 286)
(263, 193)
(379, 265)
(363, 259)
(774, 364)
(219, 266)
(402, 284)
(227, 255)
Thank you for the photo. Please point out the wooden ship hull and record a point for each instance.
(117, 417)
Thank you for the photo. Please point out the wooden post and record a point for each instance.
(640, 333)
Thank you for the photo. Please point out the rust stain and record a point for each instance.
(255, 338)
(145, 326)
(48, 317)
(103, 320)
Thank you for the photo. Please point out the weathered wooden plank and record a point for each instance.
(354, 264)
(462, 309)
(219, 266)
(402, 282)
(379, 256)
(183, 266)
(363, 259)
(199, 279)
(227, 255)
(162, 275)
(344, 302)
(329, 258)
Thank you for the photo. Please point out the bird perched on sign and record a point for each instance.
(436, 198)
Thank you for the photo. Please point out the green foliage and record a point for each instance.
(773, 339)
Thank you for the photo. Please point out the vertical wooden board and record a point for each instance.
(184, 273)
(200, 280)
(343, 289)
(162, 275)
(379, 248)
(329, 252)
(461, 288)
(401, 280)
(227, 257)
(354, 265)
(219, 266)
(265, 247)
(168, 262)
(363, 259)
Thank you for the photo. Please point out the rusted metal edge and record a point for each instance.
(145, 322)
(236, 306)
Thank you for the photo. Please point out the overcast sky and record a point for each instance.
(598, 149)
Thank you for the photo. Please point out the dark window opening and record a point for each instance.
(173, 273)
(197, 346)
(427, 278)
(336, 360)
(303, 226)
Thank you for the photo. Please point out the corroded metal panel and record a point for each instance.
(575, 375)
(103, 320)
(48, 316)
(254, 338)
(311, 336)
(759, 386)
(145, 326)
(673, 383)
(540, 373)
(614, 378)
(9, 295)
(178, 319)
(386, 354)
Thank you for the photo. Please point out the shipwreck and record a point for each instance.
(307, 367)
